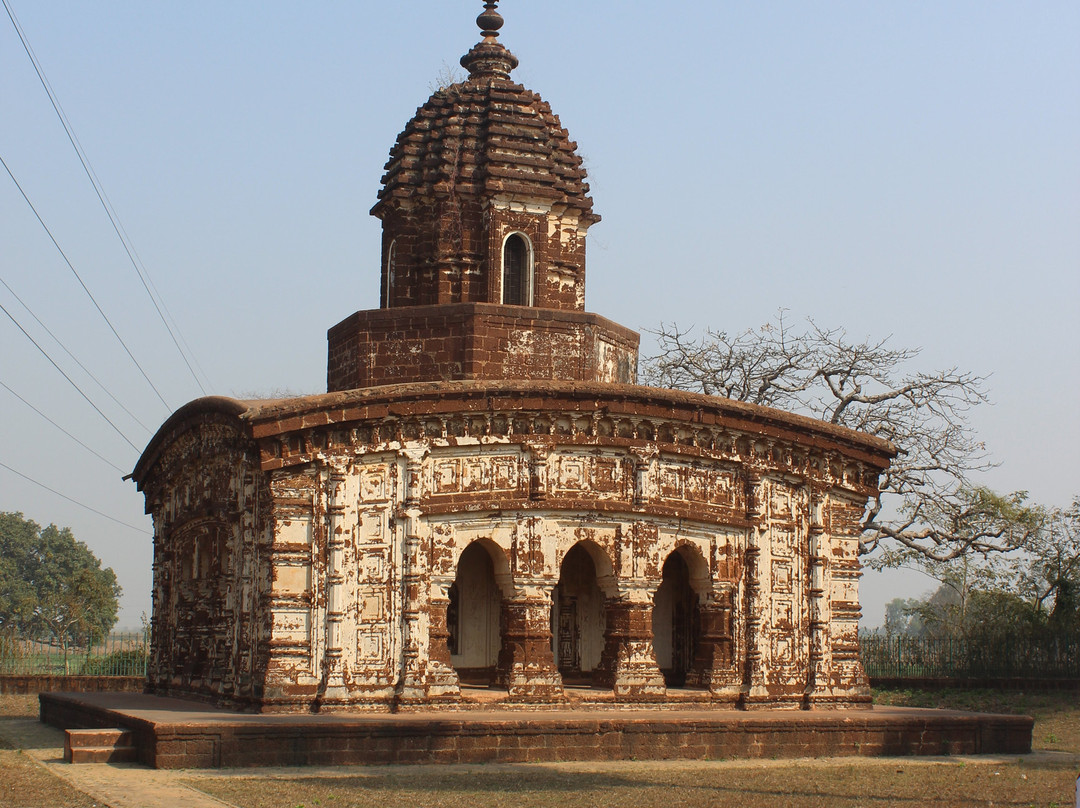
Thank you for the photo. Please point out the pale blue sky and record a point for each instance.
(908, 169)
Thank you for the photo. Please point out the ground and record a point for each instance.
(1045, 778)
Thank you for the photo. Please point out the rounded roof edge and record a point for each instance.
(177, 422)
(269, 418)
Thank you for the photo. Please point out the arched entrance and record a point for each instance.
(577, 617)
(473, 617)
(676, 617)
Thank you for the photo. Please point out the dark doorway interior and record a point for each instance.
(577, 612)
(473, 618)
(676, 622)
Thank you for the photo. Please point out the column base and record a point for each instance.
(628, 662)
(526, 665)
(434, 683)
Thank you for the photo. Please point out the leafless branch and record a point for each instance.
(866, 385)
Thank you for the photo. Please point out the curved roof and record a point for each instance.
(280, 416)
(486, 137)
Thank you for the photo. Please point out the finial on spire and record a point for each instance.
(489, 59)
(490, 20)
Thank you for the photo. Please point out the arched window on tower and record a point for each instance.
(388, 280)
(517, 271)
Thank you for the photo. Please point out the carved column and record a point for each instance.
(817, 686)
(333, 686)
(438, 628)
(714, 666)
(628, 661)
(753, 686)
(424, 678)
(848, 683)
(526, 664)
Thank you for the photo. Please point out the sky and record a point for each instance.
(903, 170)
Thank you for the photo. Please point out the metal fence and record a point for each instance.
(122, 654)
(897, 657)
(883, 656)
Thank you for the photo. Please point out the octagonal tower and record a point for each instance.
(485, 212)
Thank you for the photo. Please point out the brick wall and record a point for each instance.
(477, 341)
(40, 683)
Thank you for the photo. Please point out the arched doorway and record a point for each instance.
(473, 617)
(577, 618)
(676, 619)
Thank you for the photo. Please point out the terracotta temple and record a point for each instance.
(485, 503)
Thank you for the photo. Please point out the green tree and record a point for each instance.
(52, 586)
(902, 618)
(1050, 575)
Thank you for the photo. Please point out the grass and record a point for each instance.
(801, 784)
(837, 783)
(18, 706)
(25, 784)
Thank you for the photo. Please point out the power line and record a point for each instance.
(164, 307)
(73, 501)
(72, 383)
(74, 358)
(101, 195)
(83, 285)
(51, 421)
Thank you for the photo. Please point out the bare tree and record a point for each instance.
(927, 503)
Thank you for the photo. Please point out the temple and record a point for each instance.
(485, 506)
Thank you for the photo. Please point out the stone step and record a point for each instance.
(98, 746)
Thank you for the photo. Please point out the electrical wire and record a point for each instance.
(74, 358)
(168, 314)
(73, 501)
(70, 381)
(85, 289)
(101, 195)
(51, 421)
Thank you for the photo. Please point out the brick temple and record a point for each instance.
(485, 505)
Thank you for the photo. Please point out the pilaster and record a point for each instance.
(817, 686)
(753, 685)
(333, 687)
(425, 678)
(714, 666)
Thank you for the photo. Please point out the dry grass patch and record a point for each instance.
(799, 784)
(18, 706)
(25, 784)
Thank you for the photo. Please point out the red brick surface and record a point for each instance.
(477, 341)
(38, 683)
(170, 733)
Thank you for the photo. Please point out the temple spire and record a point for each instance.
(488, 58)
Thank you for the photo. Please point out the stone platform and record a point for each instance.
(174, 733)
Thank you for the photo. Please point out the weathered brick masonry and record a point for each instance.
(484, 496)
(478, 341)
